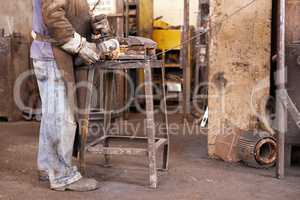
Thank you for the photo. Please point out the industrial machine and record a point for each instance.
(258, 149)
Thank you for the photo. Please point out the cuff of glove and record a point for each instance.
(109, 46)
(75, 44)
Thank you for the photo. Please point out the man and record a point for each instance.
(61, 30)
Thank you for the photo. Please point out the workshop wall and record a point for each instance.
(16, 16)
(239, 70)
(172, 11)
(16, 19)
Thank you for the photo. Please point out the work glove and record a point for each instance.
(109, 48)
(100, 26)
(87, 51)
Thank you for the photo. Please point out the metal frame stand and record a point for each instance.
(154, 143)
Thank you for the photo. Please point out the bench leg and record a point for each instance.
(150, 126)
(166, 150)
(108, 109)
(84, 127)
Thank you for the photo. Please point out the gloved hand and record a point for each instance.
(100, 25)
(110, 48)
(86, 50)
(89, 53)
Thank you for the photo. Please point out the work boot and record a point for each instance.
(83, 185)
(43, 176)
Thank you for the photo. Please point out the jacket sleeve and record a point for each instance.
(54, 15)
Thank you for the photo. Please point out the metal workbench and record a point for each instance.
(153, 142)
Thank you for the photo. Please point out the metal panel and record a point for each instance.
(293, 65)
(293, 62)
(293, 71)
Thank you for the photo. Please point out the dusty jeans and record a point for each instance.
(58, 127)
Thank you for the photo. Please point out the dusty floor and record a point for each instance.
(192, 176)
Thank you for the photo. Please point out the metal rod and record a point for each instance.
(126, 18)
(166, 151)
(198, 45)
(185, 59)
(281, 112)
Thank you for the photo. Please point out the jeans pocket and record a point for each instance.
(40, 70)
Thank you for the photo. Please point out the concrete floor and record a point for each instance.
(192, 176)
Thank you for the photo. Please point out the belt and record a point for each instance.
(42, 38)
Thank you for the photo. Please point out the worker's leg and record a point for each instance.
(41, 75)
(58, 127)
